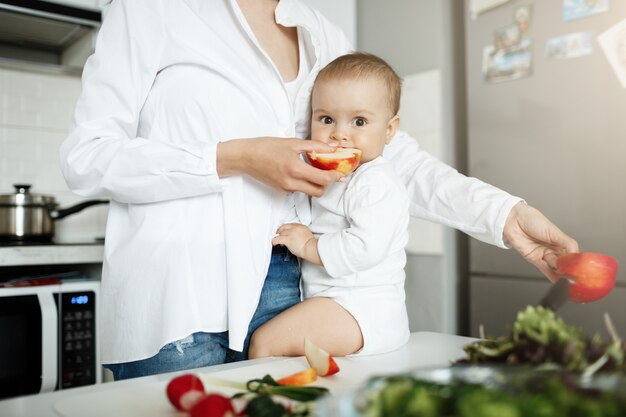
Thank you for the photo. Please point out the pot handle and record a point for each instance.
(61, 213)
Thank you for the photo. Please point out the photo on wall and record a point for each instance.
(578, 9)
(507, 64)
(572, 45)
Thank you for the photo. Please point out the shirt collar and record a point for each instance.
(292, 13)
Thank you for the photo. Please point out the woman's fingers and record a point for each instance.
(315, 145)
(277, 162)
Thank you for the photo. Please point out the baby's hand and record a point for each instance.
(299, 240)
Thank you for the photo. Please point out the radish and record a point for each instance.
(184, 391)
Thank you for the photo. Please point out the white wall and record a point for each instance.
(35, 113)
(343, 13)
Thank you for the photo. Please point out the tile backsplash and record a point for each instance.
(35, 116)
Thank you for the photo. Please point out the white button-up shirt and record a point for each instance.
(185, 250)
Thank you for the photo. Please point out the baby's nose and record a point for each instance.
(339, 135)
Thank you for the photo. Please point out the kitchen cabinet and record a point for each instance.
(495, 301)
(52, 260)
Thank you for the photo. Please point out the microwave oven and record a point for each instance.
(49, 337)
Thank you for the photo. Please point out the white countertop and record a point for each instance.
(80, 253)
(146, 396)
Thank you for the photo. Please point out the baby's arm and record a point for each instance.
(299, 240)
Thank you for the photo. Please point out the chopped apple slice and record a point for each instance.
(344, 160)
(185, 391)
(593, 273)
(319, 359)
(300, 378)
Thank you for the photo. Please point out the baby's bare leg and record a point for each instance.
(319, 319)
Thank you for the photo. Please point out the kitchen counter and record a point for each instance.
(146, 396)
(59, 254)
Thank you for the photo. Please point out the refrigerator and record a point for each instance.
(546, 121)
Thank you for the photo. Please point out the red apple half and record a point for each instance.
(319, 359)
(593, 273)
(344, 160)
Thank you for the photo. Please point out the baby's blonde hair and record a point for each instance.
(364, 65)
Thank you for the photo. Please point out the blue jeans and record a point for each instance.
(281, 290)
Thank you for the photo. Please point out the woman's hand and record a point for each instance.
(277, 163)
(539, 241)
(299, 240)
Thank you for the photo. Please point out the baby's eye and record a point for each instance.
(360, 122)
(327, 120)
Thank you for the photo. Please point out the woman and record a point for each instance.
(189, 121)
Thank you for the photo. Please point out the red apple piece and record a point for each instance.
(213, 405)
(319, 359)
(184, 391)
(344, 160)
(593, 273)
(299, 378)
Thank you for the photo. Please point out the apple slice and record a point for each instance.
(319, 359)
(344, 160)
(593, 273)
(184, 391)
(300, 378)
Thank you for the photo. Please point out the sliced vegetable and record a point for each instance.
(300, 378)
(184, 391)
(213, 405)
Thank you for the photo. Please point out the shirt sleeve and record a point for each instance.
(103, 156)
(441, 194)
(377, 213)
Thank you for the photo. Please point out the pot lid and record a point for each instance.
(23, 197)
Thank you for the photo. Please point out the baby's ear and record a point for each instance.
(392, 127)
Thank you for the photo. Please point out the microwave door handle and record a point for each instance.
(49, 341)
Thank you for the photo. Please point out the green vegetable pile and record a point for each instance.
(540, 337)
(543, 395)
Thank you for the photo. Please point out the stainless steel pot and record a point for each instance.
(26, 217)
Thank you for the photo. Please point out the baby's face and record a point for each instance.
(353, 113)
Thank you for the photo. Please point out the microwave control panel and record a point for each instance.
(77, 339)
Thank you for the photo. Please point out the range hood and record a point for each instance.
(43, 35)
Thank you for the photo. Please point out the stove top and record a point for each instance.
(6, 243)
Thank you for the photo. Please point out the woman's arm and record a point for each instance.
(439, 193)
(102, 155)
(276, 162)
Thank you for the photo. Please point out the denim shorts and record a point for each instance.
(281, 290)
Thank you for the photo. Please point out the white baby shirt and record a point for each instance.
(362, 230)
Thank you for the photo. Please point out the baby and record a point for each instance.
(352, 252)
